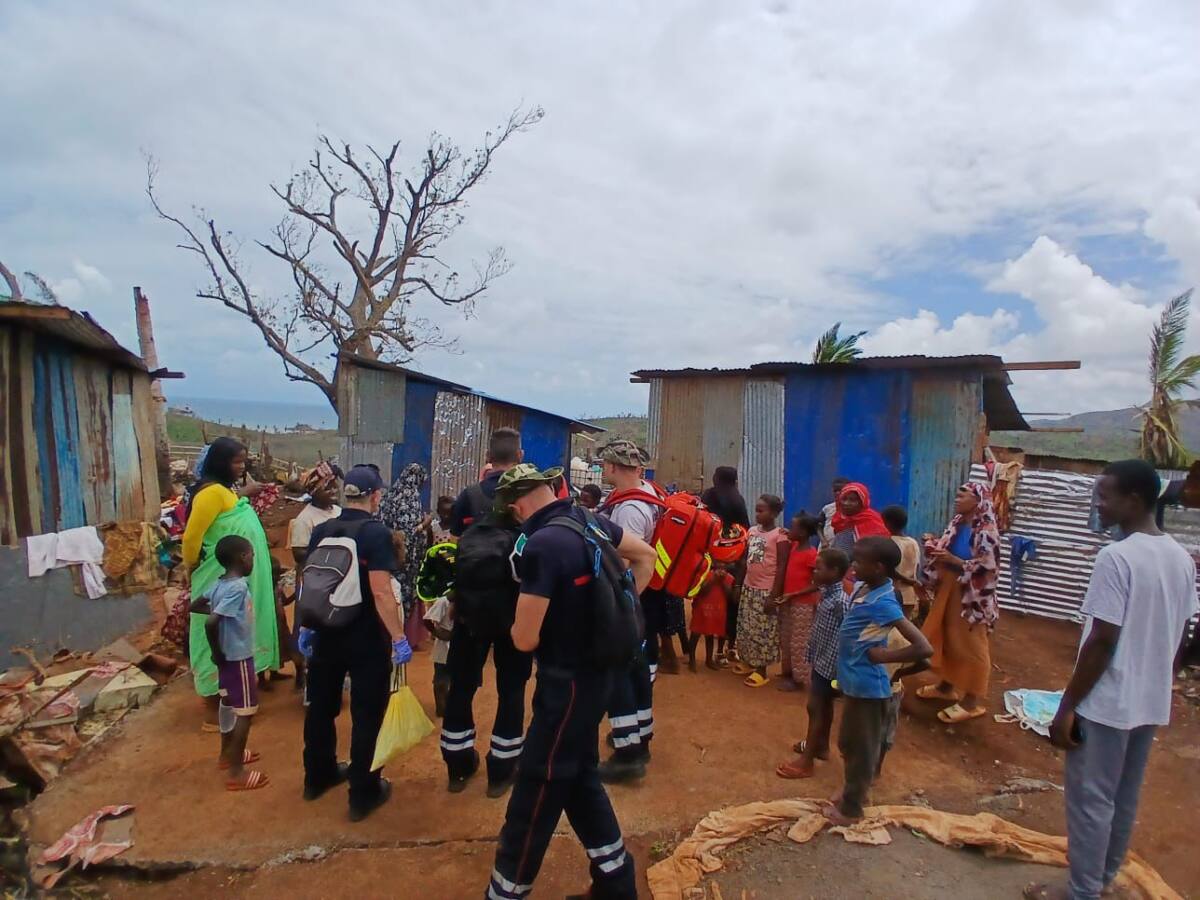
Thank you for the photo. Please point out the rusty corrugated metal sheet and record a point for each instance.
(944, 423)
(760, 470)
(460, 431)
(680, 457)
(378, 410)
(721, 424)
(359, 452)
(655, 418)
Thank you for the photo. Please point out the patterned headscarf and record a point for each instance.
(982, 570)
(401, 511)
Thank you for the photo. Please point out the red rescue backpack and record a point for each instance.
(683, 537)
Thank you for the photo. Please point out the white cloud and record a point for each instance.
(1175, 223)
(82, 286)
(1080, 315)
(713, 184)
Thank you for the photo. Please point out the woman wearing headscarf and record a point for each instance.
(217, 511)
(401, 511)
(854, 518)
(964, 563)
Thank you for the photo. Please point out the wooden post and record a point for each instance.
(162, 448)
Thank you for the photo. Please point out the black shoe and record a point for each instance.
(458, 783)
(622, 770)
(358, 813)
(341, 773)
(501, 786)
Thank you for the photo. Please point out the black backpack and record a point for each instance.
(618, 624)
(330, 592)
(485, 592)
(479, 505)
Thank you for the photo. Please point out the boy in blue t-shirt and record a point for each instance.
(230, 632)
(863, 677)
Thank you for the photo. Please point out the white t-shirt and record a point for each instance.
(636, 517)
(439, 614)
(1147, 585)
(301, 529)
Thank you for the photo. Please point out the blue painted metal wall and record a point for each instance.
(419, 400)
(854, 424)
(546, 440)
(56, 423)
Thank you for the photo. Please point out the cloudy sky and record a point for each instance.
(714, 183)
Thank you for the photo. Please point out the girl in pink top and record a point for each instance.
(758, 622)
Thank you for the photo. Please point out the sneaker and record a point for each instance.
(458, 783)
(622, 770)
(341, 774)
(358, 813)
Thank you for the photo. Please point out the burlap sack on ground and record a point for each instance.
(697, 855)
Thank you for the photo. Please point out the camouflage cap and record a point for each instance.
(624, 452)
(523, 478)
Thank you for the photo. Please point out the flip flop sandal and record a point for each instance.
(756, 681)
(930, 692)
(787, 770)
(952, 715)
(740, 668)
(250, 756)
(252, 782)
(802, 747)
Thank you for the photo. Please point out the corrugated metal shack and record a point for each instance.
(907, 427)
(76, 436)
(76, 449)
(393, 416)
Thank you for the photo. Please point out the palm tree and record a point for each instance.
(1169, 376)
(833, 349)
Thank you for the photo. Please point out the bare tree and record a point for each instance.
(362, 300)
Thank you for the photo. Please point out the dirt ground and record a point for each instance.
(717, 744)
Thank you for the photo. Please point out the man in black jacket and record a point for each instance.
(469, 647)
(555, 619)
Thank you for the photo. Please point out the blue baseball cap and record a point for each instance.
(363, 480)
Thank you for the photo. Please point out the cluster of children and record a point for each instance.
(836, 637)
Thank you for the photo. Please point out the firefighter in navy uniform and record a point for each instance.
(557, 770)
(471, 642)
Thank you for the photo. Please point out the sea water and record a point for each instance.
(257, 414)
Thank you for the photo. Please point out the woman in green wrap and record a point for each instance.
(216, 511)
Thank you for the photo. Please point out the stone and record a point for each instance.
(1028, 786)
(130, 688)
(1001, 803)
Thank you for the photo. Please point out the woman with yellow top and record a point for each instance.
(216, 511)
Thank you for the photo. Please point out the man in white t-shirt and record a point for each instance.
(1142, 593)
(322, 486)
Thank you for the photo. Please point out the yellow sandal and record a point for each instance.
(756, 681)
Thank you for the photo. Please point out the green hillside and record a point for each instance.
(304, 449)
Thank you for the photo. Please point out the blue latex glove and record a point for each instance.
(306, 642)
(401, 652)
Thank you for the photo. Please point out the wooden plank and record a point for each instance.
(93, 399)
(8, 521)
(1050, 366)
(65, 417)
(43, 426)
(143, 426)
(127, 467)
(26, 486)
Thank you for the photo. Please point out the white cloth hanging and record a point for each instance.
(74, 547)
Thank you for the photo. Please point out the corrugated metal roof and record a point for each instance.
(76, 328)
(865, 362)
(412, 374)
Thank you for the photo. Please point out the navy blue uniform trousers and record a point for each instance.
(557, 773)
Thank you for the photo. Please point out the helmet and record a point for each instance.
(730, 546)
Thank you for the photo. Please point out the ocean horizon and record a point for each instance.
(270, 415)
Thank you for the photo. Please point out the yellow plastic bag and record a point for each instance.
(404, 723)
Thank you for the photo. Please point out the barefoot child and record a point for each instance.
(230, 632)
(798, 602)
(863, 657)
(708, 615)
(828, 573)
(758, 621)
